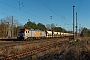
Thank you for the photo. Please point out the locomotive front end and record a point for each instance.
(21, 35)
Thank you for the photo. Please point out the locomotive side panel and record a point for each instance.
(36, 34)
(43, 34)
(55, 34)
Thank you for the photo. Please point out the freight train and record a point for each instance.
(27, 34)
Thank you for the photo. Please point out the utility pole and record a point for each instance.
(9, 30)
(9, 33)
(76, 24)
(12, 26)
(73, 22)
(79, 29)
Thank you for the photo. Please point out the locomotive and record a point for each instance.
(27, 34)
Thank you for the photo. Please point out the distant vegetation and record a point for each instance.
(85, 32)
(6, 27)
(40, 26)
(33, 25)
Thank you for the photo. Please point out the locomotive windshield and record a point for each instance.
(21, 31)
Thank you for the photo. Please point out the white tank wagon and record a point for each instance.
(59, 34)
(49, 34)
(56, 34)
(62, 34)
(66, 34)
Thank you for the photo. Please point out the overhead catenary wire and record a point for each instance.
(21, 10)
(14, 15)
(22, 4)
(35, 17)
(49, 9)
(10, 15)
(62, 17)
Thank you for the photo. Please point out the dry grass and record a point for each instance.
(79, 51)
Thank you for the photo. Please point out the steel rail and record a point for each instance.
(33, 51)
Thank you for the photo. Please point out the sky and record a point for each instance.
(58, 12)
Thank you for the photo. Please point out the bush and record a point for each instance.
(74, 43)
(78, 40)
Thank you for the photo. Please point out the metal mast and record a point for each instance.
(73, 22)
(12, 27)
(76, 24)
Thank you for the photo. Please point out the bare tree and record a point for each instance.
(52, 26)
(48, 26)
(7, 26)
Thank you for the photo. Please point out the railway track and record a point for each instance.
(34, 51)
(8, 39)
(9, 43)
(33, 47)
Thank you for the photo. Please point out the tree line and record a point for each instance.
(9, 30)
(40, 26)
(6, 27)
(9, 26)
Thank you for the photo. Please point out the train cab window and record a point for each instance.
(28, 31)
